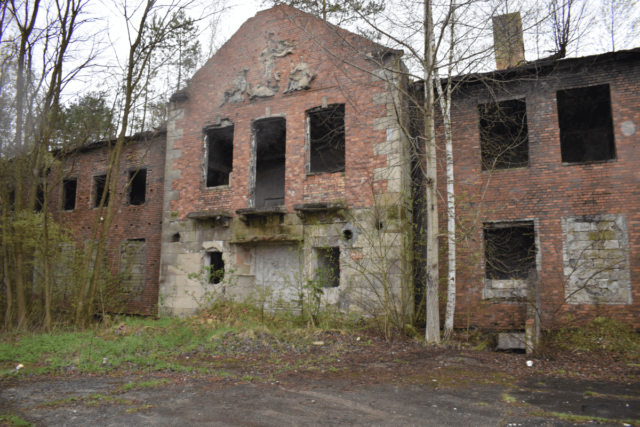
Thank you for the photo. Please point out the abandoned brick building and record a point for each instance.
(283, 156)
(134, 238)
(555, 145)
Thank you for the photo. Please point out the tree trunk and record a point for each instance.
(432, 333)
(8, 314)
(445, 106)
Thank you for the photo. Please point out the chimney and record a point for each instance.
(508, 41)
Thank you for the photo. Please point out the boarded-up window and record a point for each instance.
(133, 254)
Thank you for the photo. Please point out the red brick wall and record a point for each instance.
(547, 190)
(336, 80)
(130, 222)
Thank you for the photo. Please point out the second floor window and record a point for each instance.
(586, 125)
(326, 129)
(138, 187)
(69, 190)
(504, 135)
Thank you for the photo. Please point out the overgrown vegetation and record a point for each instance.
(202, 344)
(601, 333)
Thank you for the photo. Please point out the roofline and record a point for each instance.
(95, 145)
(545, 65)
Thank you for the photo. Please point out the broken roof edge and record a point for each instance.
(544, 65)
(94, 145)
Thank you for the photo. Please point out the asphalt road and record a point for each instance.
(309, 402)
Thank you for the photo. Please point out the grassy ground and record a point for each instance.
(200, 344)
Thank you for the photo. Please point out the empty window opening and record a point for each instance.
(216, 267)
(138, 187)
(39, 198)
(504, 136)
(220, 156)
(270, 136)
(100, 183)
(329, 267)
(133, 254)
(327, 139)
(175, 238)
(69, 190)
(586, 125)
(509, 250)
(347, 234)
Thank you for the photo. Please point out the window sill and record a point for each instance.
(595, 162)
(507, 169)
(325, 173)
(218, 187)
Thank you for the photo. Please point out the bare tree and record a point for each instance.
(621, 22)
(145, 41)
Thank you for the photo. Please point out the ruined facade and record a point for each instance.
(276, 153)
(555, 145)
(285, 167)
(133, 250)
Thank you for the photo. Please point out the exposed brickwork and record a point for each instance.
(337, 81)
(130, 222)
(548, 191)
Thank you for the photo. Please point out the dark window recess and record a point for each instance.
(138, 187)
(39, 198)
(271, 139)
(69, 190)
(220, 161)
(216, 267)
(329, 267)
(327, 140)
(509, 250)
(175, 238)
(99, 182)
(586, 125)
(504, 138)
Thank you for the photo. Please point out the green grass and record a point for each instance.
(14, 420)
(145, 384)
(582, 418)
(148, 345)
(602, 333)
(89, 400)
(610, 396)
(508, 398)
